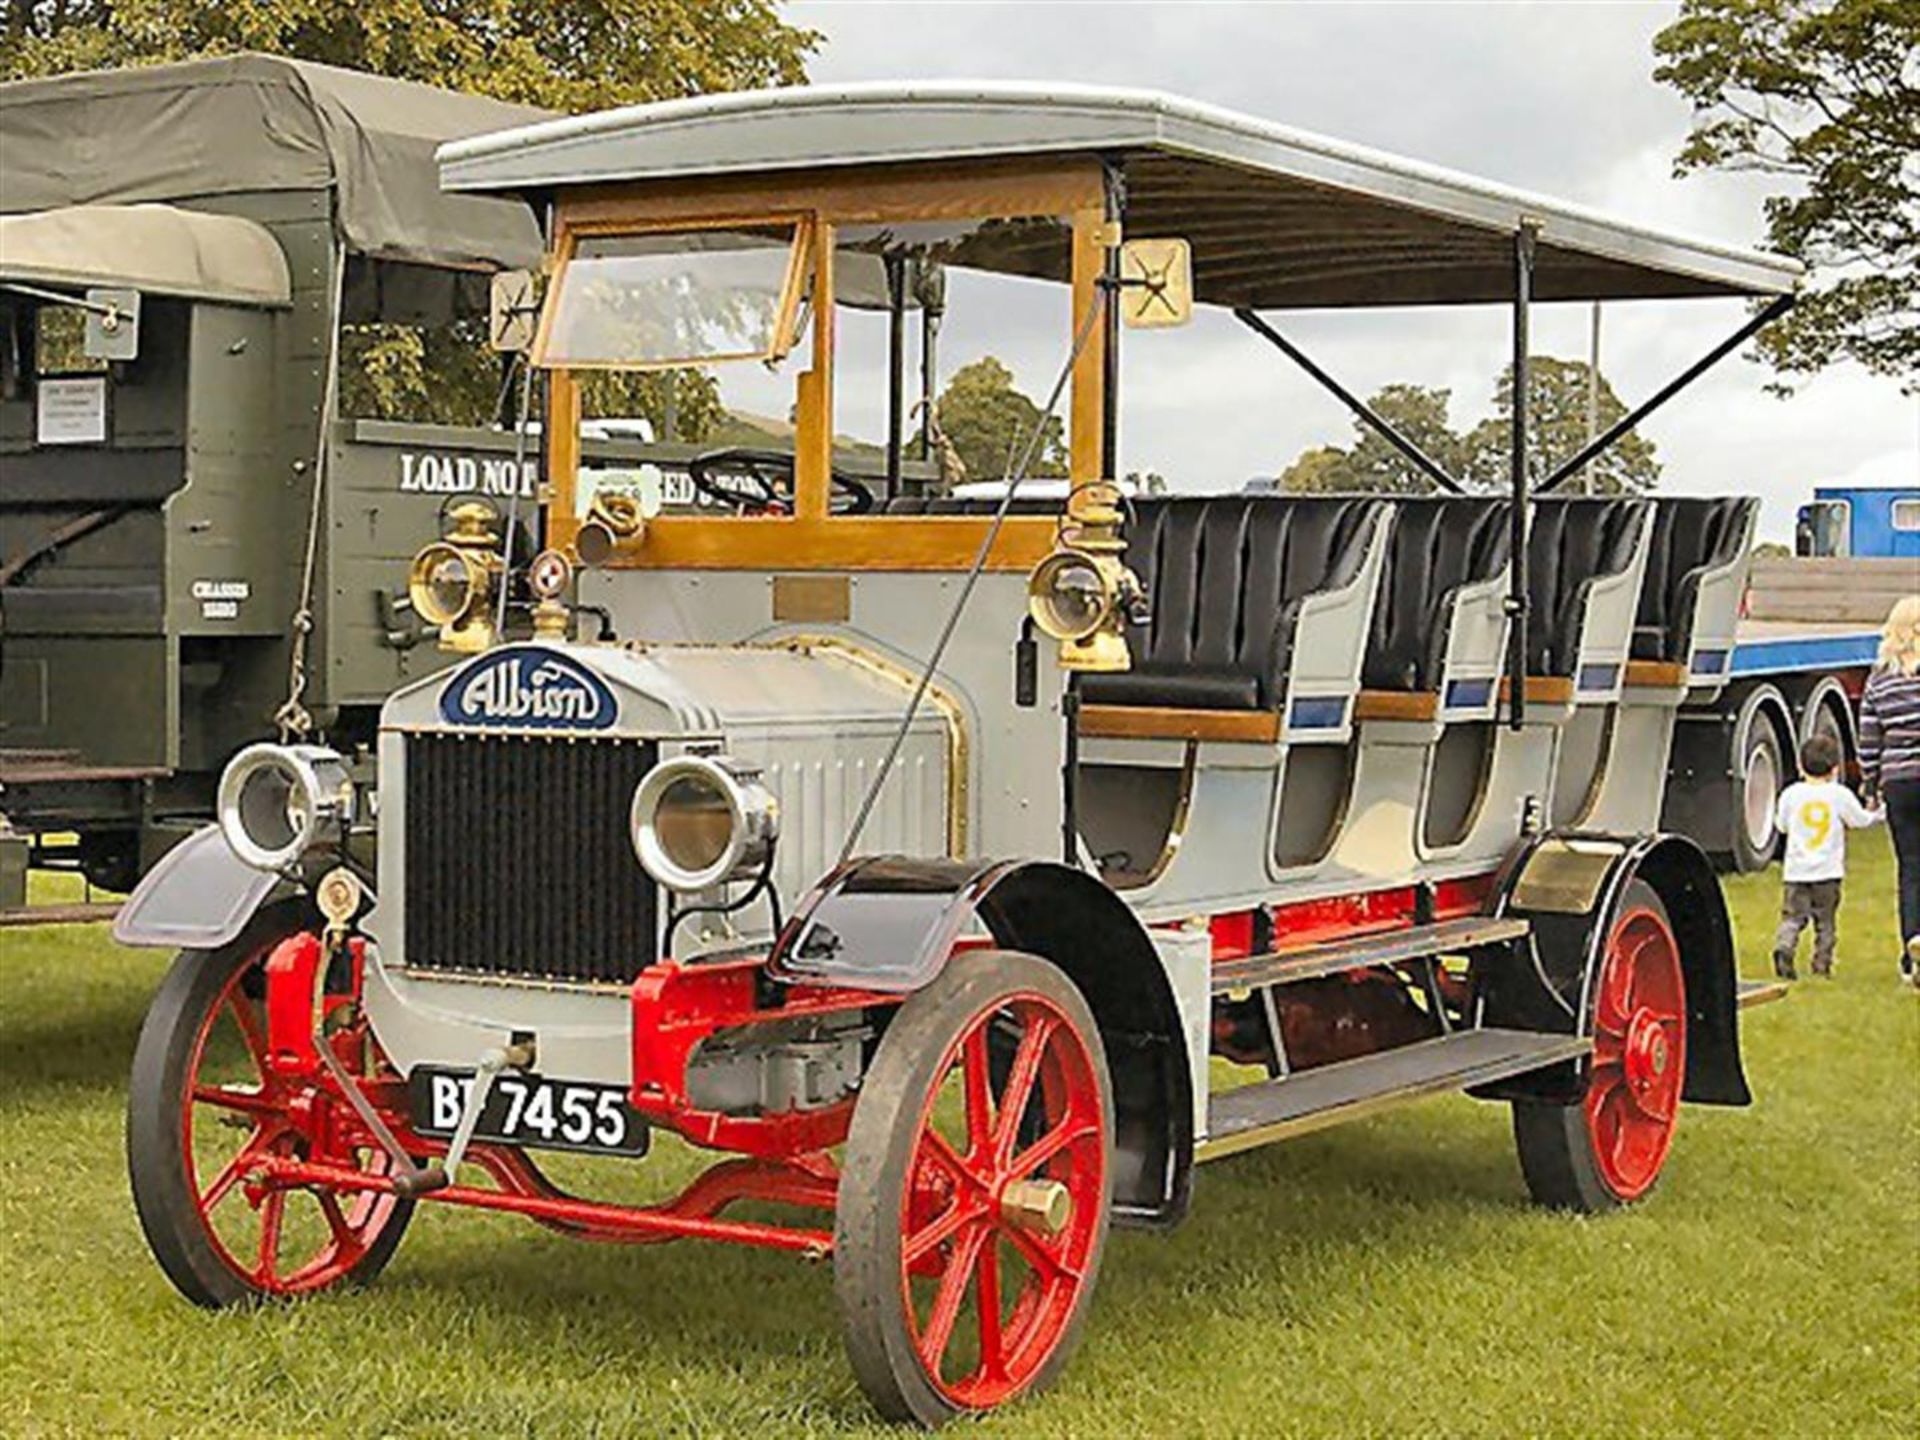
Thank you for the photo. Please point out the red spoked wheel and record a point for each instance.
(1610, 1148)
(204, 1107)
(974, 1198)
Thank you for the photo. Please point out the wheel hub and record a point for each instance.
(1042, 1206)
(1648, 1054)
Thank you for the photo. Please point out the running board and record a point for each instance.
(1271, 1110)
(1760, 992)
(1391, 947)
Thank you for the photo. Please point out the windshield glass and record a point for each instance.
(675, 298)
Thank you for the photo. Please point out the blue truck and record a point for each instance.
(1809, 630)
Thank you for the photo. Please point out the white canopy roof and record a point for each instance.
(1278, 217)
(156, 249)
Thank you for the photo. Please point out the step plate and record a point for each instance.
(1276, 1109)
(1449, 937)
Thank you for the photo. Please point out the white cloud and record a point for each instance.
(1554, 97)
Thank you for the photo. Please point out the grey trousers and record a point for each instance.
(1815, 900)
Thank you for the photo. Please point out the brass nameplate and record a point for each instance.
(812, 599)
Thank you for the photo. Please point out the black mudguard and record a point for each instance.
(1552, 988)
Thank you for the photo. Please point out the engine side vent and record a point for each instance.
(518, 861)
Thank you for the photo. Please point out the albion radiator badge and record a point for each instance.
(528, 687)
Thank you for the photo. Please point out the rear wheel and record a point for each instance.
(203, 1107)
(1760, 773)
(1608, 1149)
(974, 1197)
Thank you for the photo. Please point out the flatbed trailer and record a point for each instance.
(1806, 639)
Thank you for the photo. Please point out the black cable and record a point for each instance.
(753, 893)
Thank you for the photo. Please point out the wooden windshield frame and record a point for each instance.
(1071, 187)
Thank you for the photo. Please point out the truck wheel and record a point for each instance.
(1759, 775)
(202, 1106)
(1607, 1149)
(965, 1255)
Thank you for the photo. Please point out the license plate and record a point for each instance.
(530, 1110)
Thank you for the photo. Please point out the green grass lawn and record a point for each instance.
(1384, 1279)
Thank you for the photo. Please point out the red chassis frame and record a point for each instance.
(780, 1159)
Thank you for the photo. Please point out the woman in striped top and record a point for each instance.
(1890, 759)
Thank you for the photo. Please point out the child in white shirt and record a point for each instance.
(1814, 814)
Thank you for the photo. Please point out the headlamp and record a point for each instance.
(276, 801)
(700, 821)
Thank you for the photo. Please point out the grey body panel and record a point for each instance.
(1372, 207)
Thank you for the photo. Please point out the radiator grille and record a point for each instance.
(518, 861)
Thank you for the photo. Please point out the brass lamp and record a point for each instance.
(1083, 594)
(452, 581)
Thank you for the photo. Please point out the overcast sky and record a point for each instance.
(1551, 97)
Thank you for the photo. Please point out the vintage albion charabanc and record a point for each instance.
(965, 872)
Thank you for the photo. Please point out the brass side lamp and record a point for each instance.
(452, 581)
(1082, 595)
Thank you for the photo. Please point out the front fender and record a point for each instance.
(892, 923)
(199, 896)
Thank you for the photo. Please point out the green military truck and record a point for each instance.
(186, 251)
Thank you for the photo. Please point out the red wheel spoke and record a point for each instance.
(251, 1028)
(936, 1147)
(949, 1298)
(1020, 1082)
(344, 1234)
(1070, 1131)
(1046, 1263)
(256, 1146)
(937, 1232)
(272, 1211)
(978, 1082)
(247, 1099)
(993, 1346)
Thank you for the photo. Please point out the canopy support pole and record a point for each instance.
(1516, 606)
(1775, 308)
(896, 266)
(1361, 410)
(1114, 188)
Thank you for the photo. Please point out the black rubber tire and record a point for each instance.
(156, 1163)
(1554, 1142)
(866, 1256)
(1760, 740)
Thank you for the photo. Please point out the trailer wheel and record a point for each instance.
(1760, 774)
(1608, 1148)
(202, 1106)
(965, 1254)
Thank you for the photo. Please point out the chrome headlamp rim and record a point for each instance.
(752, 822)
(316, 775)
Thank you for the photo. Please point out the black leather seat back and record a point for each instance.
(1438, 545)
(1224, 576)
(1570, 543)
(1689, 535)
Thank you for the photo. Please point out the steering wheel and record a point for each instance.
(760, 482)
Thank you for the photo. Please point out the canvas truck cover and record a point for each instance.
(250, 123)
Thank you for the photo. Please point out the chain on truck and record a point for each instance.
(958, 876)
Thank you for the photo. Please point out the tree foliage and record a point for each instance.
(990, 421)
(1479, 458)
(563, 54)
(1824, 96)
